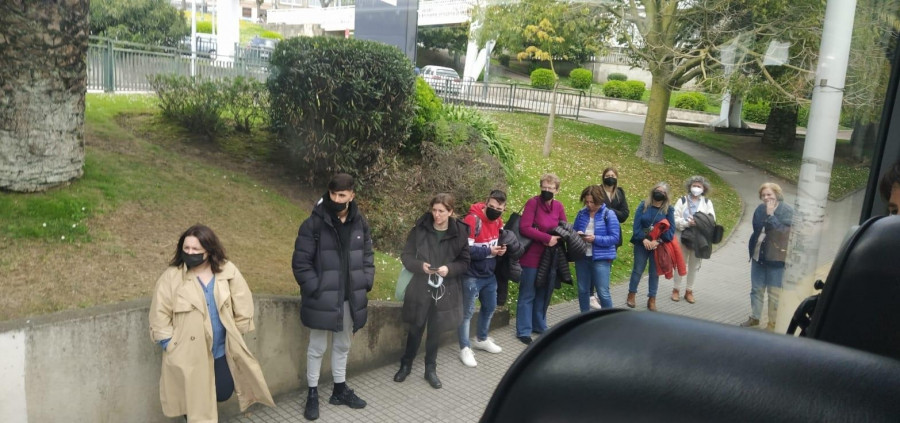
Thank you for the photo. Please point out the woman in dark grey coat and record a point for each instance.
(437, 253)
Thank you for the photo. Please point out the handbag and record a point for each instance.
(512, 225)
(402, 282)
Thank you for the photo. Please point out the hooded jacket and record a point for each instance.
(422, 246)
(317, 266)
(482, 263)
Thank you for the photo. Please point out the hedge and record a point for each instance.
(543, 78)
(581, 78)
(340, 105)
(691, 101)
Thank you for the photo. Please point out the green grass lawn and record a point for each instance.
(580, 152)
(847, 174)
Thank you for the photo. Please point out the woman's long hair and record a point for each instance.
(615, 186)
(665, 203)
(209, 241)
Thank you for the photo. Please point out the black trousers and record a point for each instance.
(224, 380)
(414, 339)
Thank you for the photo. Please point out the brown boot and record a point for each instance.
(651, 304)
(689, 296)
(675, 295)
(630, 301)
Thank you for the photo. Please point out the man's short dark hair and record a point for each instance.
(891, 177)
(498, 195)
(341, 182)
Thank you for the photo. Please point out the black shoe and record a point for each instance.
(525, 340)
(404, 371)
(431, 376)
(348, 398)
(312, 405)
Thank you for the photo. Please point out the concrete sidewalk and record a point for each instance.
(722, 292)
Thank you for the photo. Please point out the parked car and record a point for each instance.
(206, 45)
(443, 80)
(261, 48)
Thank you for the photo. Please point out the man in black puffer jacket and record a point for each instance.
(335, 268)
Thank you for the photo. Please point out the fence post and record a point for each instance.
(578, 108)
(109, 68)
(512, 95)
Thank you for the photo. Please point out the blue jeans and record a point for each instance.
(641, 257)
(531, 306)
(593, 273)
(764, 278)
(484, 289)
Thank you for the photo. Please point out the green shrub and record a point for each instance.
(543, 79)
(581, 78)
(691, 101)
(425, 125)
(196, 104)
(635, 90)
(484, 132)
(245, 100)
(204, 27)
(615, 89)
(615, 76)
(503, 59)
(466, 170)
(756, 112)
(340, 105)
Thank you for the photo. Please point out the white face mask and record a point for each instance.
(696, 191)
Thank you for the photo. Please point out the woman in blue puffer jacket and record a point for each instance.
(598, 225)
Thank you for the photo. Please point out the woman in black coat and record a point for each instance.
(437, 254)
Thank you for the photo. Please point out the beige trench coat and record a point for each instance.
(178, 311)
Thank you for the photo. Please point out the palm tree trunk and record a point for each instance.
(42, 93)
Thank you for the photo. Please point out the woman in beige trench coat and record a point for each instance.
(201, 307)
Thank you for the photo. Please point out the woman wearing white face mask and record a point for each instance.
(686, 208)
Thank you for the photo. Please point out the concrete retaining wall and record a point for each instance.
(99, 365)
(638, 108)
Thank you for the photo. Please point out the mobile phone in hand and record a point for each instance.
(433, 268)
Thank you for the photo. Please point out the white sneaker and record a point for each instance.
(487, 345)
(467, 357)
(595, 304)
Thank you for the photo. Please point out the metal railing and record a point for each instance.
(509, 97)
(122, 66)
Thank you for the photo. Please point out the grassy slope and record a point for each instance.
(847, 175)
(580, 152)
(146, 181)
(137, 198)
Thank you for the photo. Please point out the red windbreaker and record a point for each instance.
(668, 256)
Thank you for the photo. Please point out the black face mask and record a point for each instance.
(333, 207)
(491, 213)
(658, 196)
(192, 260)
(609, 181)
(546, 195)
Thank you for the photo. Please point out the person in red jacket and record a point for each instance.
(480, 283)
(668, 255)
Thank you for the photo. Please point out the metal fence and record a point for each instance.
(122, 66)
(510, 97)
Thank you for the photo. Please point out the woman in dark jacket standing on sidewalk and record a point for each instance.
(648, 214)
(437, 254)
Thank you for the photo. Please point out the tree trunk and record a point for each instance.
(548, 138)
(42, 86)
(654, 134)
(863, 140)
(781, 127)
